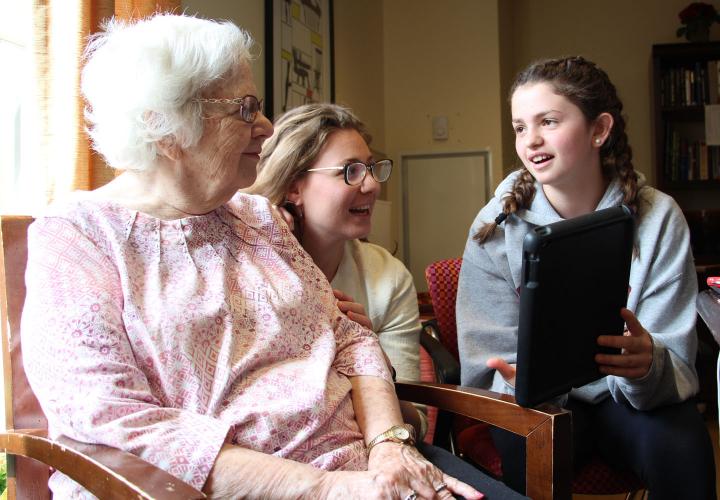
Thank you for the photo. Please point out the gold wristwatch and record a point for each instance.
(401, 434)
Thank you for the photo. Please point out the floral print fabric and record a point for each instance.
(169, 338)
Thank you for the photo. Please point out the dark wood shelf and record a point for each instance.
(681, 53)
(684, 113)
(691, 185)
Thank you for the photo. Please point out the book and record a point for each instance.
(713, 82)
(704, 170)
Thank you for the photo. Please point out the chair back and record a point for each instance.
(26, 478)
(442, 279)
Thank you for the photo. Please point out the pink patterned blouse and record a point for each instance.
(169, 338)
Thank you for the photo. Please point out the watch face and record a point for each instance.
(401, 433)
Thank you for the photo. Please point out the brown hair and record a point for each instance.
(299, 136)
(589, 88)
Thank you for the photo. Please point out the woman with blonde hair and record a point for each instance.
(319, 166)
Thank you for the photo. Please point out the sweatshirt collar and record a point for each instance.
(541, 212)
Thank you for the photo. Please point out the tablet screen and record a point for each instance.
(575, 280)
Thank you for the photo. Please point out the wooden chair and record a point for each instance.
(112, 473)
(474, 441)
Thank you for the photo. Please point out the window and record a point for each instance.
(18, 129)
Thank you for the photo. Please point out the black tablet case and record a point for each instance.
(575, 279)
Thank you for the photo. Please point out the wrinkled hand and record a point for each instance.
(637, 350)
(397, 470)
(372, 484)
(353, 310)
(504, 368)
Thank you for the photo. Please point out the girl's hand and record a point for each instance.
(504, 368)
(637, 350)
(353, 310)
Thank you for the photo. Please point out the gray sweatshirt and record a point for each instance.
(663, 292)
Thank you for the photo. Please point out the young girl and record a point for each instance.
(319, 165)
(570, 137)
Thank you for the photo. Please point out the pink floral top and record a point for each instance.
(169, 338)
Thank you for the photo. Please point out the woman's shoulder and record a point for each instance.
(81, 221)
(253, 209)
(257, 213)
(85, 210)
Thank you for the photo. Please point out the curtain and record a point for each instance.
(63, 160)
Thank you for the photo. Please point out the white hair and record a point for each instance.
(140, 79)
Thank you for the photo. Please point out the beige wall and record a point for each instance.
(359, 71)
(441, 58)
(248, 14)
(616, 34)
(506, 18)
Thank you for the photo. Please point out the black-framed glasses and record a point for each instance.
(354, 172)
(250, 106)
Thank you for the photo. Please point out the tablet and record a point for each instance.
(575, 279)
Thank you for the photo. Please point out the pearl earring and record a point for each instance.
(598, 141)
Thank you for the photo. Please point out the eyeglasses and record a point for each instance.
(249, 105)
(355, 172)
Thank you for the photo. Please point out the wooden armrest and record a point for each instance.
(106, 472)
(547, 430)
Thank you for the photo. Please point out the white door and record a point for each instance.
(442, 194)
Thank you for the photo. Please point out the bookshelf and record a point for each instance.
(685, 79)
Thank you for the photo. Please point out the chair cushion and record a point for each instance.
(476, 444)
(442, 279)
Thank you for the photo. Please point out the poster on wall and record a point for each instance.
(299, 57)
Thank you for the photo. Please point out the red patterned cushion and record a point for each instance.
(475, 443)
(442, 279)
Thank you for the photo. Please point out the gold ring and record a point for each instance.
(440, 487)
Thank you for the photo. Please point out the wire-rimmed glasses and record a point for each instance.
(250, 106)
(354, 172)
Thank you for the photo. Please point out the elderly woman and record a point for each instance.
(319, 165)
(168, 316)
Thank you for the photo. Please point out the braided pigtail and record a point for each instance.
(616, 159)
(520, 197)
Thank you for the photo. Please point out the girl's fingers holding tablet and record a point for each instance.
(504, 368)
(632, 372)
(637, 348)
